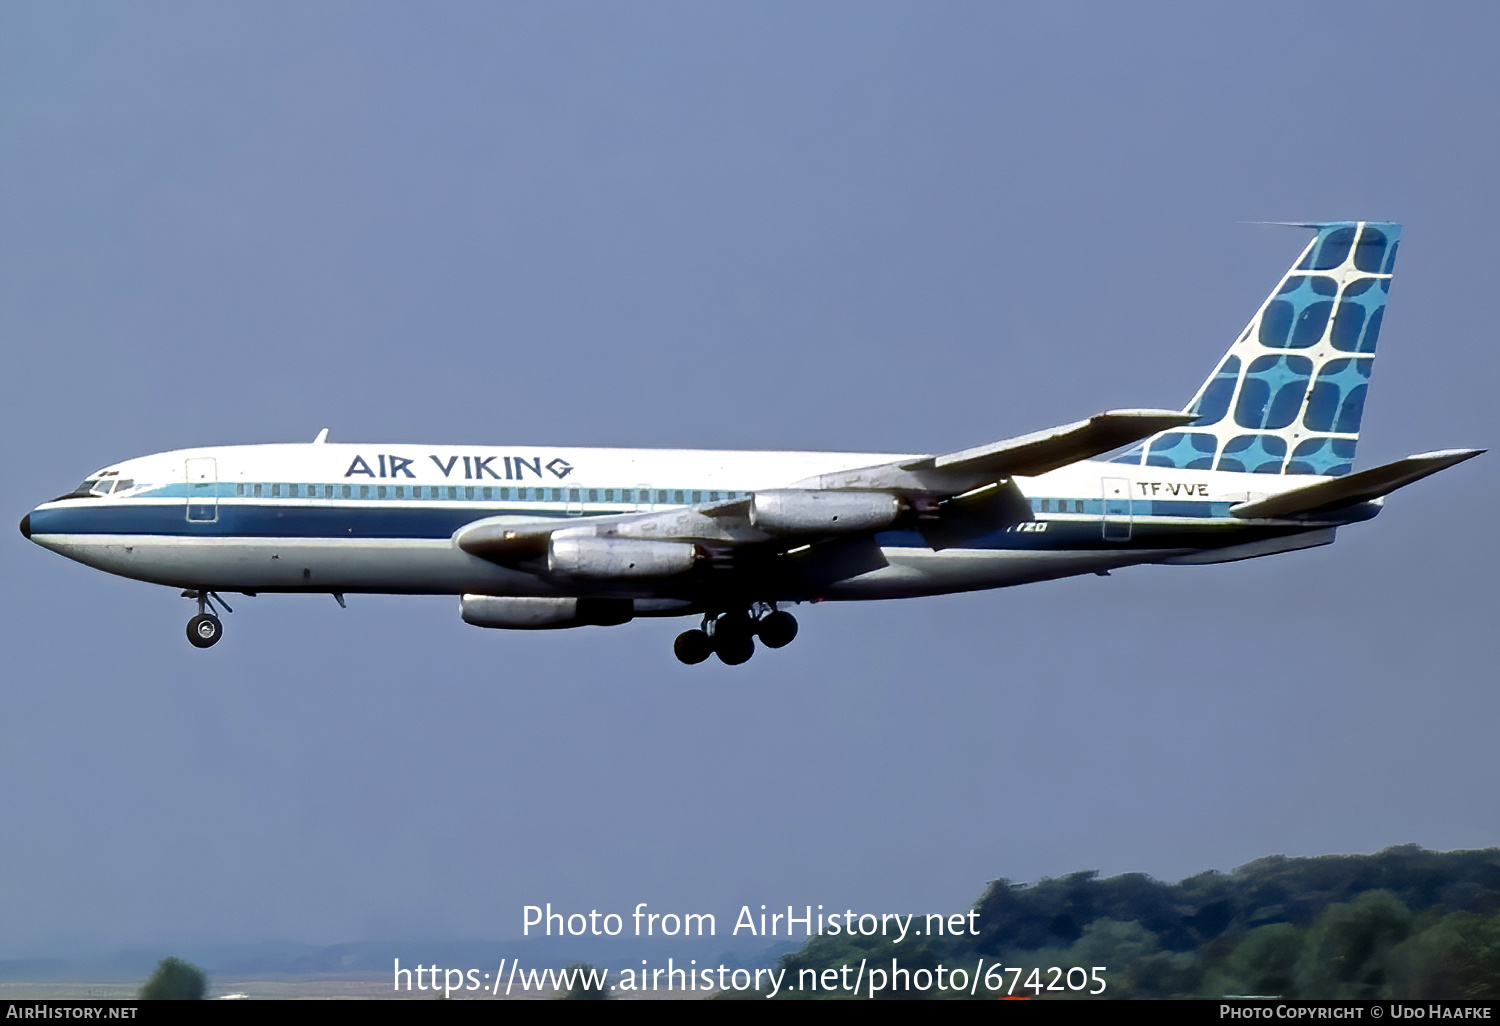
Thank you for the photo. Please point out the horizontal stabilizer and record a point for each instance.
(1346, 491)
(1041, 451)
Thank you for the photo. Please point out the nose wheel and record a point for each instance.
(731, 636)
(205, 629)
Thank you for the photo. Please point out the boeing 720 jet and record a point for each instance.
(1260, 461)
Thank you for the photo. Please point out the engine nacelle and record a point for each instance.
(613, 558)
(802, 511)
(539, 614)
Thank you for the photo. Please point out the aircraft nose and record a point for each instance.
(26, 527)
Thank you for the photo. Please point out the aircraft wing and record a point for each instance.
(1041, 451)
(955, 495)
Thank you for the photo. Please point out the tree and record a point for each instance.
(175, 980)
(1349, 945)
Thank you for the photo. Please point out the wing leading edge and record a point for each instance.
(1023, 456)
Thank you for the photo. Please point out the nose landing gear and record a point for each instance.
(731, 636)
(205, 629)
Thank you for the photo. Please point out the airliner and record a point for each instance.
(535, 537)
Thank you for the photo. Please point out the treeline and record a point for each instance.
(1405, 923)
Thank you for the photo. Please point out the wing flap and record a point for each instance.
(1336, 492)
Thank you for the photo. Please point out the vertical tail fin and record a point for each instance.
(1288, 396)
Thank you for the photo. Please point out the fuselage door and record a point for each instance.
(202, 490)
(1118, 515)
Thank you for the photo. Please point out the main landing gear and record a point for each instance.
(731, 636)
(205, 629)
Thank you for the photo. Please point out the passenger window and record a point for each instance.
(328, 491)
(452, 493)
(257, 491)
(239, 489)
(557, 495)
(661, 496)
(1046, 504)
(488, 492)
(380, 492)
(276, 491)
(400, 491)
(505, 495)
(469, 492)
(713, 496)
(593, 495)
(678, 497)
(1077, 505)
(291, 491)
(347, 491)
(364, 491)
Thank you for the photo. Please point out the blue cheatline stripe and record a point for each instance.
(327, 519)
(411, 521)
(238, 520)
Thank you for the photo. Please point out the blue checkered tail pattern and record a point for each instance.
(1288, 396)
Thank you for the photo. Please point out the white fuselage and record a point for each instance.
(382, 518)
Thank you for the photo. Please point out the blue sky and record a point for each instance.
(873, 227)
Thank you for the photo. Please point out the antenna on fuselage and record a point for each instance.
(322, 437)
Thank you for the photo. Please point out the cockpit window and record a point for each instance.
(103, 487)
(86, 487)
(124, 486)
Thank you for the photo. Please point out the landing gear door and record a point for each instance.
(202, 490)
(1118, 514)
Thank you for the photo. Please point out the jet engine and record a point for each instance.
(801, 511)
(543, 613)
(611, 558)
